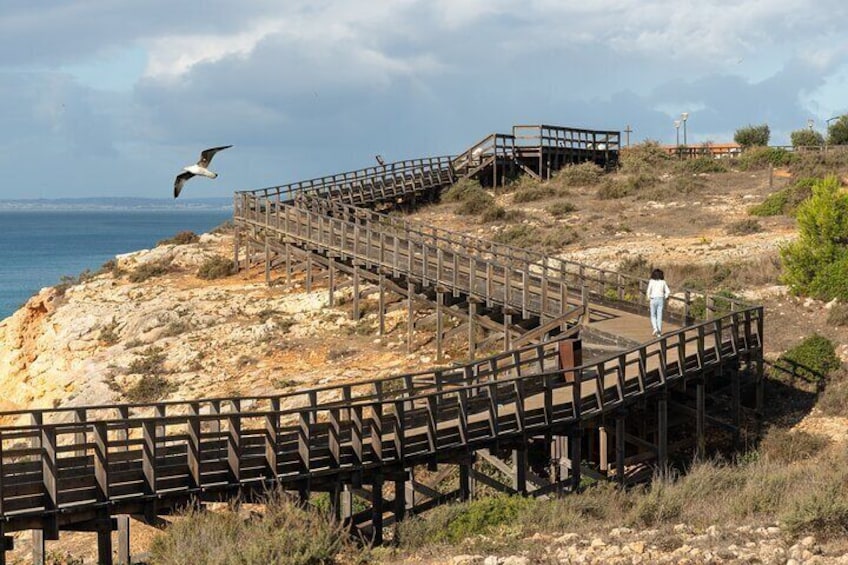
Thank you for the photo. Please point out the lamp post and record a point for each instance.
(677, 129)
(684, 116)
(810, 123)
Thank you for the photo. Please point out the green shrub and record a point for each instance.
(558, 237)
(584, 174)
(806, 138)
(150, 269)
(458, 191)
(520, 235)
(560, 208)
(67, 281)
(493, 214)
(453, 523)
(283, 534)
(534, 192)
(751, 136)
(648, 157)
(702, 165)
(477, 203)
(813, 359)
(181, 238)
(761, 157)
(817, 262)
(744, 227)
(773, 205)
(787, 446)
(785, 201)
(216, 267)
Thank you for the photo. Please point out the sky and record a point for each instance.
(114, 97)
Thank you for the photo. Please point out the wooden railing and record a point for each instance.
(367, 185)
(492, 147)
(53, 469)
(547, 136)
(597, 284)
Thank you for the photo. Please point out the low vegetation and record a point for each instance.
(812, 360)
(583, 174)
(744, 227)
(150, 269)
(281, 532)
(216, 267)
(181, 238)
(785, 201)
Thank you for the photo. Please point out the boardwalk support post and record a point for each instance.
(619, 448)
(575, 436)
(662, 430)
(377, 509)
(700, 421)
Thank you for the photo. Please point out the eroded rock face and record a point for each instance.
(229, 336)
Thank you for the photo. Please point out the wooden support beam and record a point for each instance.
(472, 328)
(410, 315)
(104, 543)
(124, 555)
(39, 551)
(603, 449)
(662, 431)
(700, 422)
(519, 471)
(619, 447)
(575, 436)
(440, 306)
(382, 305)
(377, 509)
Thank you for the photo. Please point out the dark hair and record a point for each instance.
(657, 274)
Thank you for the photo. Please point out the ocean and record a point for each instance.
(38, 247)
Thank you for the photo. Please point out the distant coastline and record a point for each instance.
(118, 203)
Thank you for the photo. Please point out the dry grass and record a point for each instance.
(735, 275)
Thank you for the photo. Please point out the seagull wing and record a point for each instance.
(180, 181)
(207, 154)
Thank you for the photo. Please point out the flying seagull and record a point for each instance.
(200, 168)
(380, 159)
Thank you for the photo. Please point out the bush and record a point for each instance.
(149, 388)
(823, 512)
(181, 238)
(149, 270)
(478, 203)
(806, 138)
(834, 400)
(533, 193)
(702, 165)
(787, 446)
(216, 267)
(751, 136)
(817, 262)
(453, 523)
(785, 201)
(459, 190)
(520, 235)
(151, 361)
(559, 237)
(761, 157)
(837, 132)
(820, 164)
(283, 533)
(813, 359)
(632, 184)
(647, 157)
(560, 208)
(109, 333)
(584, 174)
(744, 227)
(611, 189)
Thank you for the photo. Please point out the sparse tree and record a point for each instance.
(751, 136)
(837, 133)
(806, 138)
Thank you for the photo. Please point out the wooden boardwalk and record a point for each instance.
(89, 468)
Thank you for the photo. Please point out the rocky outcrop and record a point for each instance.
(235, 335)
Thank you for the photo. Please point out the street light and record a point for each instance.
(827, 129)
(810, 123)
(677, 128)
(684, 116)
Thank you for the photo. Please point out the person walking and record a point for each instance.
(657, 295)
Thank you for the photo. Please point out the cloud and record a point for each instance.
(314, 87)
